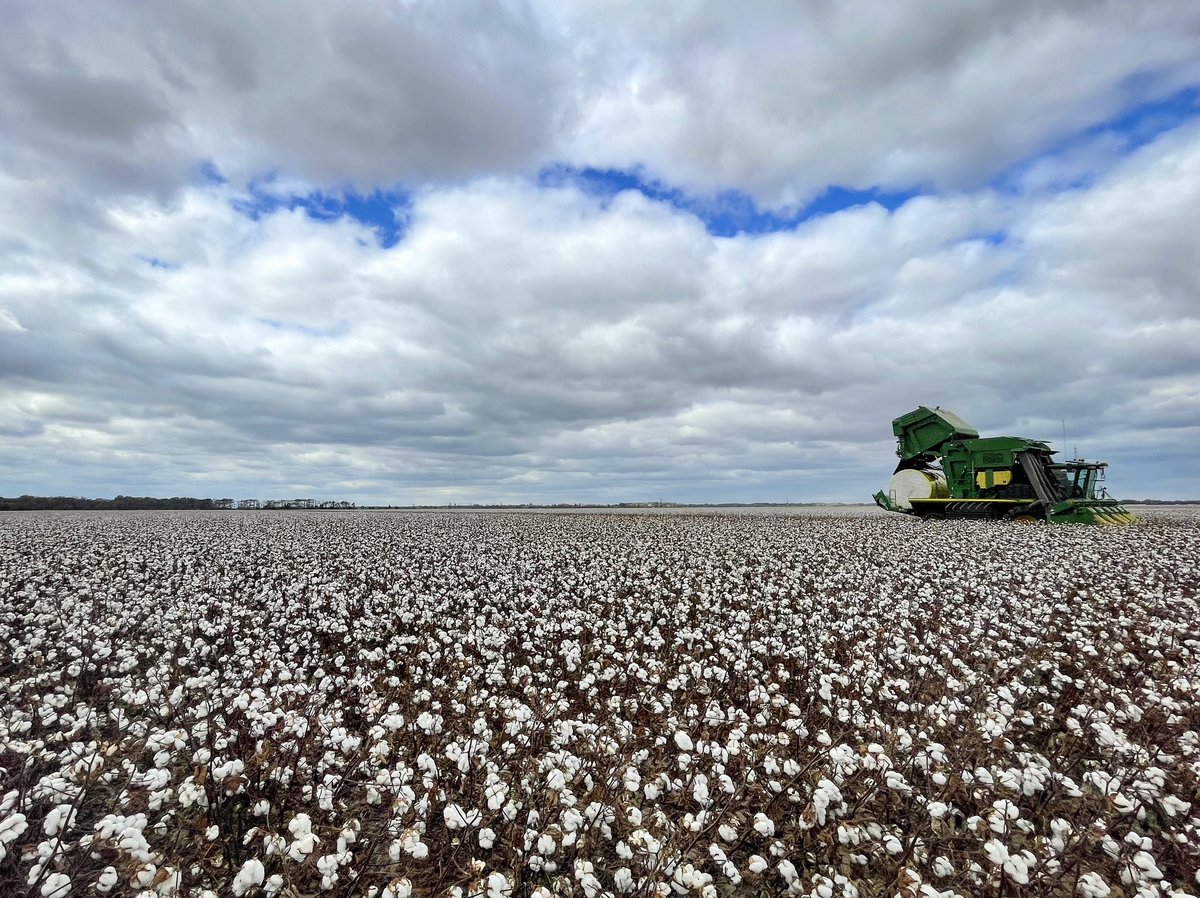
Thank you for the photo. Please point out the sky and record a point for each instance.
(450, 252)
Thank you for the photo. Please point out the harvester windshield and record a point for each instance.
(1078, 479)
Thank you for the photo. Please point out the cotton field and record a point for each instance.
(405, 704)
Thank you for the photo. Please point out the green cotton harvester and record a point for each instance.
(947, 470)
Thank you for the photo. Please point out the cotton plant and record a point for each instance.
(623, 703)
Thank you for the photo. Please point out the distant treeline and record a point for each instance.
(1160, 501)
(137, 503)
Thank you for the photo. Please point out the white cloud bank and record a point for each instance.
(531, 343)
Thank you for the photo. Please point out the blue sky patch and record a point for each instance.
(726, 214)
(338, 330)
(991, 238)
(210, 174)
(1143, 122)
(386, 212)
(1133, 128)
(155, 262)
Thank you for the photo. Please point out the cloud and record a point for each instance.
(366, 94)
(799, 96)
(379, 297)
(779, 104)
(524, 341)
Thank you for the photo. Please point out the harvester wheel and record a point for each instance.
(1027, 514)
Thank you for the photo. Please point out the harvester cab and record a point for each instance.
(946, 470)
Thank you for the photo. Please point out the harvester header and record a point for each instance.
(947, 470)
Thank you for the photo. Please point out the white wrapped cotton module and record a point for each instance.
(911, 484)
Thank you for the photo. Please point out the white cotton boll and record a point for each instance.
(1018, 867)
(683, 741)
(11, 829)
(303, 846)
(764, 825)
(1145, 862)
(300, 825)
(498, 886)
(167, 881)
(996, 851)
(896, 782)
(456, 817)
(727, 832)
(487, 838)
(1002, 811)
(623, 879)
(942, 867)
(59, 819)
(571, 820)
(757, 864)
(401, 888)
(327, 866)
(190, 793)
(730, 871)
(273, 885)
(212, 832)
(1092, 885)
(262, 808)
(651, 791)
(545, 845)
(496, 794)
(57, 885)
(787, 870)
(1173, 806)
(252, 874)
(106, 880)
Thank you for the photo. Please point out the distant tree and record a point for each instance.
(136, 503)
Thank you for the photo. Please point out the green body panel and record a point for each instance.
(964, 459)
(925, 430)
